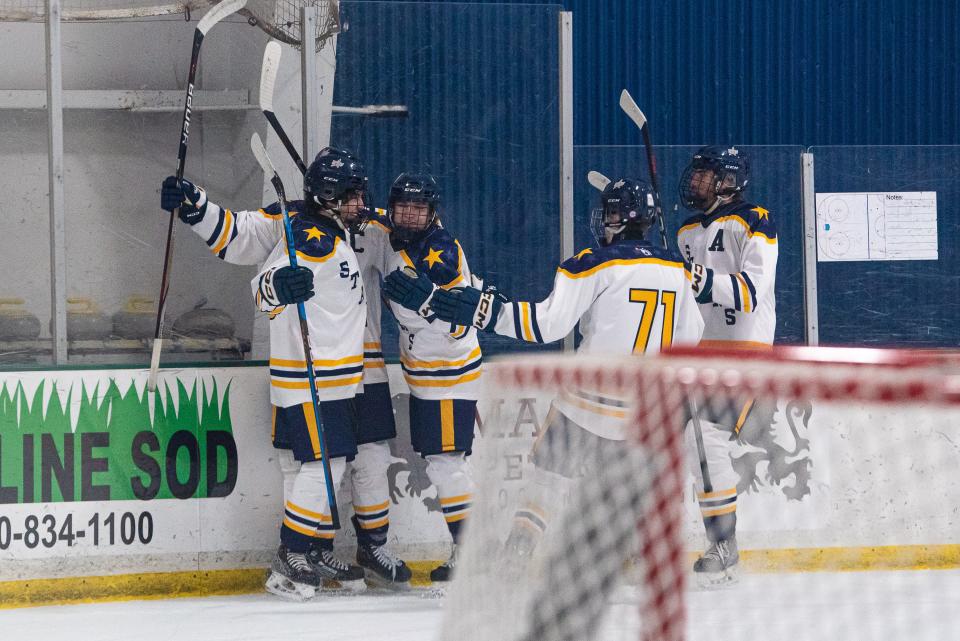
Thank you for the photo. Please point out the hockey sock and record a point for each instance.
(306, 515)
(371, 498)
(450, 473)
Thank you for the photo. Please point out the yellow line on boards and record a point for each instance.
(166, 585)
(126, 587)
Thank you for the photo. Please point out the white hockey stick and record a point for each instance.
(206, 23)
(597, 180)
(264, 161)
(268, 79)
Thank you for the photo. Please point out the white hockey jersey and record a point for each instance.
(335, 315)
(440, 361)
(738, 242)
(630, 298)
(372, 246)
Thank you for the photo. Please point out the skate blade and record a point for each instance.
(718, 580)
(378, 582)
(286, 589)
(335, 586)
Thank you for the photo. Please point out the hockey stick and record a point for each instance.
(633, 112)
(268, 78)
(597, 180)
(261, 155)
(212, 17)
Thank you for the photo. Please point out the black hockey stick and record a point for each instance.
(264, 161)
(268, 78)
(633, 112)
(212, 17)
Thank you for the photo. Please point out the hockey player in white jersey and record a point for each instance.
(731, 248)
(335, 189)
(441, 362)
(376, 424)
(629, 298)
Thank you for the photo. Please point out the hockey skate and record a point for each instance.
(292, 577)
(382, 568)
(718, 566)
(445, 571)
(335, 575)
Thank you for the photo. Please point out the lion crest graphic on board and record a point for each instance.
(787, 466)
(407, 460)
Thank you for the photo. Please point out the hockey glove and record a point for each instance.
(190, 199)
(469, 306)
(286, 285)
(411, 289)
(701, 280)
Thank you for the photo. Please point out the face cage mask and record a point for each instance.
(605, 232)
(407, 234)
(334, 209)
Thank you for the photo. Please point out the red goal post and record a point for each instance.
(551, 593)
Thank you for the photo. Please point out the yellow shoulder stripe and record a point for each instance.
(621, 261)
(320, 259)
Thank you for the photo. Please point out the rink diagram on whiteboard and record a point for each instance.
(877, 226)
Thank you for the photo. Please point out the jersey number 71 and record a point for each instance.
(649, 299)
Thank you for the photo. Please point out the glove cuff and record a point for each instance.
(268, 292)
(488, 310)
(424, 311)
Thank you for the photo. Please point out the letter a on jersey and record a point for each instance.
(717, 244)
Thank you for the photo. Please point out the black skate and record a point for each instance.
(334, 573)
(292, 577)
(719, 564)
(382, 568)
(445, 571)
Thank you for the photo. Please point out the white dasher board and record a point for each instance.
(877, 226)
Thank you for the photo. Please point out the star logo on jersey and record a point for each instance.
(433, 257)
(763, 213)
(336, 164)
(314, 233)
(584, 253)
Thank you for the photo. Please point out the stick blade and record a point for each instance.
(260, 153)
(268, 74)
(218, 13)
(597, 180)
(630, 108)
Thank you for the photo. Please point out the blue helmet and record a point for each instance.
(628, 209)
(731, 173)
(332, 178)
(415, 189)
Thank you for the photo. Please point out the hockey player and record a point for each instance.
(375, 417)
(441, 362)
(335, 189)
(629, 298)
(731, 247)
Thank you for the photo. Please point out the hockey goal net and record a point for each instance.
(845, 460)
(279, 18)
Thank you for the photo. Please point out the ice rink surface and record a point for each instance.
(852, 606)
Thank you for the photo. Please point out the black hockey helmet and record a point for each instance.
(334, 177)
(417, 189)
(699, 188)
(628, 209)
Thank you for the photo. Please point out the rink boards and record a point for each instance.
(109, 490)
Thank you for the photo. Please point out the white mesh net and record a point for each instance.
(279, 18)
(840, 460)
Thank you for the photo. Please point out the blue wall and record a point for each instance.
(768, 72)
